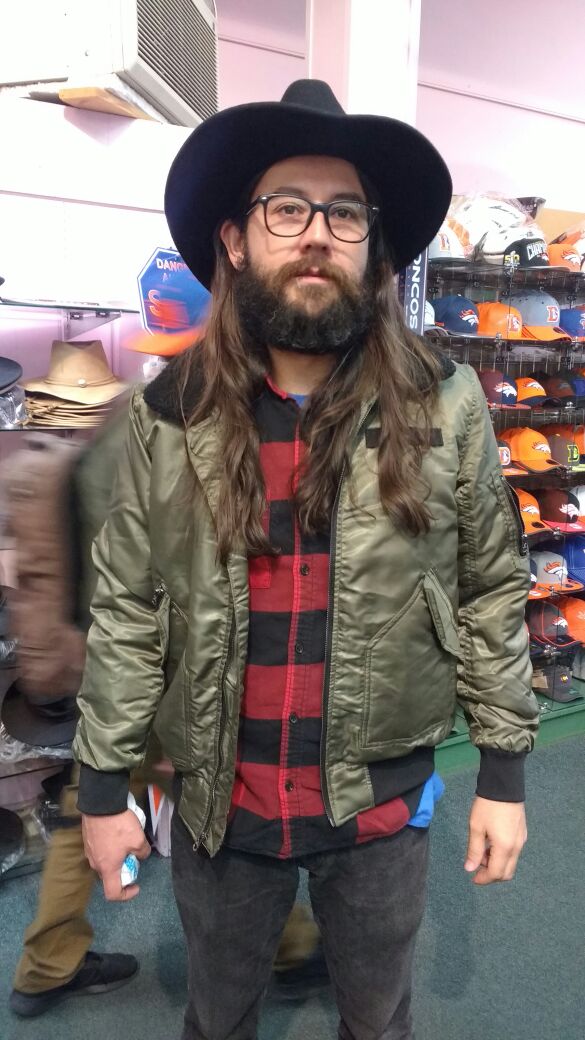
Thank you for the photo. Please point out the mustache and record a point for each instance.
(323, 269)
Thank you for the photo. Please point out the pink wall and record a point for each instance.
(500, 98)
(261, 49)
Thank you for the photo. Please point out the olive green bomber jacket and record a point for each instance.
(414, 624)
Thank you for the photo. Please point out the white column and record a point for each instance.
(368, 51)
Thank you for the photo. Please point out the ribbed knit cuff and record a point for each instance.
(102, 794)
(501, 775)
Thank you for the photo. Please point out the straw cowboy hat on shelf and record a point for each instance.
(78, 372)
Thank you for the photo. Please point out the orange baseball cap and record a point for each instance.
(531, 392)
(499, 319)
(561, 254)
(508, 469)
(573, 610)
(530, 513)
(529, 448)
(540, 315)
(165, 344)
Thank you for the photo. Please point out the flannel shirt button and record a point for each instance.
(288, 785)
(293, 718)
(299, 648)
(304, 569)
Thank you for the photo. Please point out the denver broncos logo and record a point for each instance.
(569, 509)
(533, 385)
(555, 567)
(505, 388)
(530, 509)
(505, 456)
(514, 323)
(541, 446)
(469, 316)
(552, 314)
(560, 622)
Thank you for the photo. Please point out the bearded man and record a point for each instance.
(310, 556)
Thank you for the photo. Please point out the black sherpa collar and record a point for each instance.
(163, 394)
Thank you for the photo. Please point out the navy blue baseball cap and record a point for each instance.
(457, 314)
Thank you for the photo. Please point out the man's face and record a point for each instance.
(308, 293)
(318, 179)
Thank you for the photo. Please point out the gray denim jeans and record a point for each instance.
(368, 901)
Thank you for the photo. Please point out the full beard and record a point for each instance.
(333, 318)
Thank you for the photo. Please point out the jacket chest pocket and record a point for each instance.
(410, 671)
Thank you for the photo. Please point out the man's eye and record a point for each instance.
(346, 213)
(289, 209)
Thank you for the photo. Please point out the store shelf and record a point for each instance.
(78, 318)
(444, 277)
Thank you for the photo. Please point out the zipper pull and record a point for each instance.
(159, 594)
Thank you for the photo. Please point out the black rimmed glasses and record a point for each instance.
(287, 216)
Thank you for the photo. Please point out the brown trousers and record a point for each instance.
(56, 942)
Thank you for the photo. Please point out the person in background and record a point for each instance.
(309, 556)
(57, 961)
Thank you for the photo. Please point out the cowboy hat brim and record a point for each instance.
(226, 152)
(23, 723)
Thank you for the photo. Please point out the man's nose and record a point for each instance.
(317, 235)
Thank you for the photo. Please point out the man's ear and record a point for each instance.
(233, 240)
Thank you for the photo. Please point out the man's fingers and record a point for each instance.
(501, 866)
(144, 851)
(476, 850)
(113, 890)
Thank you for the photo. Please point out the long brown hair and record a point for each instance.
(394, 369)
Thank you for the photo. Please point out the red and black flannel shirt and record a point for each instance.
(277, 806)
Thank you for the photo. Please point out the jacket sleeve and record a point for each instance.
(494, 685)
(123, 678)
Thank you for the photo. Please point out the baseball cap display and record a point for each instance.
(530, 251)
(540, 314)
(558, 388)
(498, 319)
(508, 468)
(552, 569)
(529, 448)
(531, 392)
(552, 679)
(500, 392)
(536, 591)
(579, 493)
(530, 513)
(564, 256)
(559, 509)
(573, 609)
(563, 446)
(446, 245)
(574, 552)
(572, 321)
(457, 314)
(575, 433)
(575, 237)
(547, 626)
(493, 223)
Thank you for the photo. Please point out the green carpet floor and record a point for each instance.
(505, 963)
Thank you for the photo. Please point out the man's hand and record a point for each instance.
(108, 840)
(497, 835)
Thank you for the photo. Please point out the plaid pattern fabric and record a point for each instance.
(277, 806)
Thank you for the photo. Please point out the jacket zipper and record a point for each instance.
(522, 538)
(209, 814)
(327, 664)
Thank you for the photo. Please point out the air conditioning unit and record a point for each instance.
(151, 58)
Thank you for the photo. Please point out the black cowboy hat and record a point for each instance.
(229, 150)
(41, 722)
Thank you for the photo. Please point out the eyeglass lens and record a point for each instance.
(288, 216)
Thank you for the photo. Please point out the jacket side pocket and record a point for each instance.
(517, 540)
